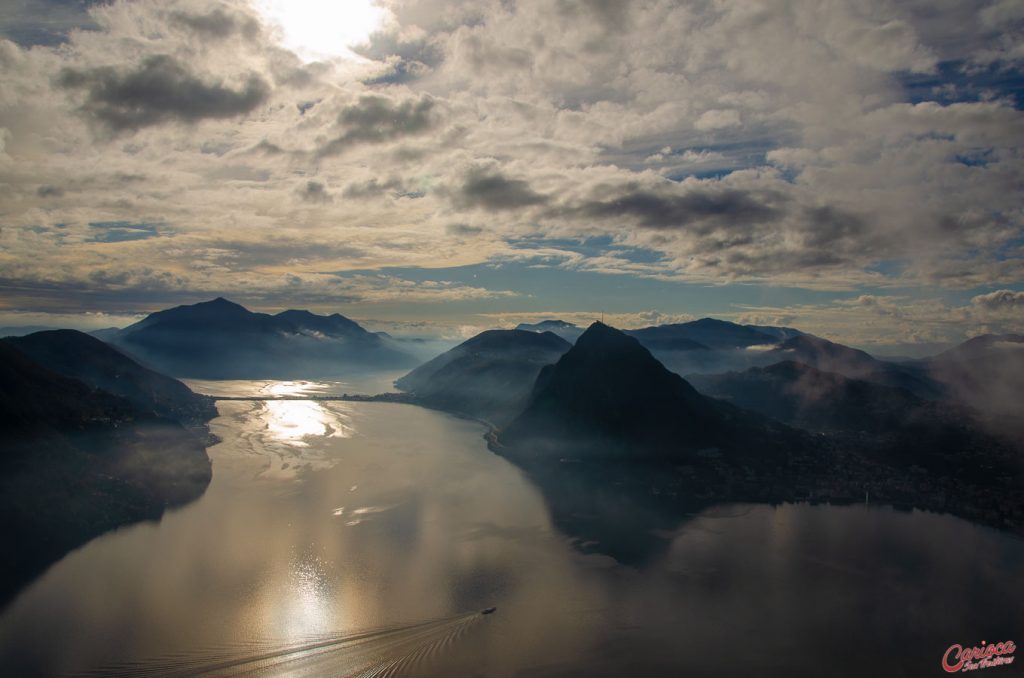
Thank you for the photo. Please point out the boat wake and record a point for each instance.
(378, 653)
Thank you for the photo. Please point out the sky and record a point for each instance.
(851, 168)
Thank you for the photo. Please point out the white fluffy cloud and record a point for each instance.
(175, 146)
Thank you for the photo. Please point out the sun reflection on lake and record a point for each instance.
(308, 609)
(292, 421)
(295, 388)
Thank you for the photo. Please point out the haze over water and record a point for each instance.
(333, 540)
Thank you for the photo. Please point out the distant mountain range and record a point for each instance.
(803, 396)
(711, 346)
(488, 377)
(608, 397)
(608, 431)
(706, 333)
(705, 345)
(89, 441)
(220, 339)
(891, 423)
(565, 330)
(983, 374)
(987, 374)
(853, 363)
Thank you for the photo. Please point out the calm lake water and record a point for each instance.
(341, 538)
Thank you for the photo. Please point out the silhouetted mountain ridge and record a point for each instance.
(101, 366)
(220, 339)
(704, 333)
(609, 397)
(488, 376)
(853, 363)
(78, 461)
(804, 396)
(563, 329)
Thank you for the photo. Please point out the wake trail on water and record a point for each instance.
(385, 652)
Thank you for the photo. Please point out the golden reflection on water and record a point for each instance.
(294, 388)
(292, 421)
(308, 608)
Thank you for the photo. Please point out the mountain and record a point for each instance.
(610, 433)
(888, 424)
(106, 334)
(809, 398)
(220, 339)
(487, 377)
(101, 366)
(853, 363)
(565, 330)
(609, 397)
(780, 333)
(21, 330)
(76, 461)
(704, 333)
(709, 345)
(334, 325)
(987, 374)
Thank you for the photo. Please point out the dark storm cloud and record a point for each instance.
(382, 45)
(665, 211)
(217, 24)
(374, 188)
(462, 229)
(159, 90)
(376, 119)
(828, 226)
(315, 192)
(407, 60)
(399, 72)
(491, 190)
(483, 55)
(613, 15)
(49, 191)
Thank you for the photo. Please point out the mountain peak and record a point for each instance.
(221, 301)
(609, 395)
(601, 335)
(565, 330)
(489, 376)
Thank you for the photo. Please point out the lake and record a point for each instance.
(342, 538)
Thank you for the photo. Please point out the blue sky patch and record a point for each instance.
(124, 231)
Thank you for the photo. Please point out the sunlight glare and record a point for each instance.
(291, 421)
(323, 29)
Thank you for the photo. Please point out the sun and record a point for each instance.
(322, 29)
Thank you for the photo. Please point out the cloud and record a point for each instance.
(1000, 300)
(800, 146)
(463, 230)
(377, 119)
(47, 191)
(374, 188)
(217, 23)
(717, 119)
(160, 89)
(315, 192)
(491, 190)
(626, 321)
(666, 210)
